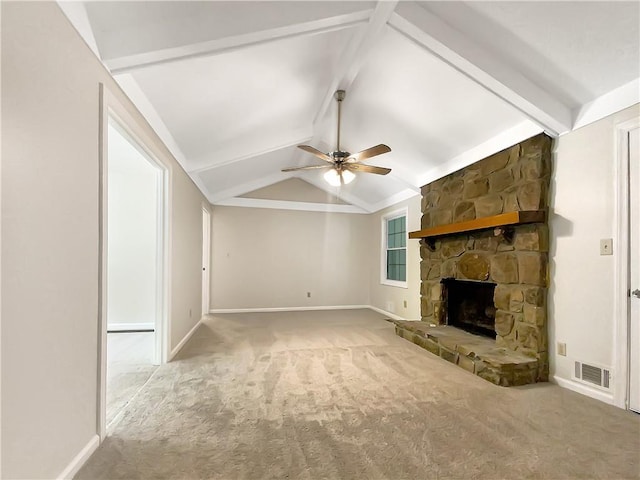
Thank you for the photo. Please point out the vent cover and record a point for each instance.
(592, 374)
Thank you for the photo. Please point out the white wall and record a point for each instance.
(389, 298)
(271, 258)
(50, 252)
(294, 190)
(132, 237)
(581, 295)
(186, 250)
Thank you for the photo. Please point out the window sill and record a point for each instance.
(394, 283)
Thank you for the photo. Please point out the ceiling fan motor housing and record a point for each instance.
(339, 156)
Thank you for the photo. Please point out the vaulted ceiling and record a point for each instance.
(233, 87)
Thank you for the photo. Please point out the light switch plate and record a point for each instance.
(606, 246)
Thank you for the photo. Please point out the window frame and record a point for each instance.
(403, 212)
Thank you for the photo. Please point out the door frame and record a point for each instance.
(111, 108)
(622, 263)
(206, 259)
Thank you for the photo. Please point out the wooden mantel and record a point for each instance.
(499, 222)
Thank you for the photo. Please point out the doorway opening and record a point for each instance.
(627, 278)
(133, 286)
(634, 270)
(132, 269)
(206, 249)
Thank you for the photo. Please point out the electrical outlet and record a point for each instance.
(308, 294)
(405, 304)
(562, 349)
(606, 246)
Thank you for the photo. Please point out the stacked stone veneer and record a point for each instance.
(514, 179)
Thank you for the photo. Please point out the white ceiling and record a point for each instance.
(564, 47)
(233, 87)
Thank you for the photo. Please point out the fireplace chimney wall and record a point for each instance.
(514, 179)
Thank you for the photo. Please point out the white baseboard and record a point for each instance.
(302, 309)
(182, 342)
(286, 309)
(117, 327)
(79, 460)
(583, 389)
(384, 312)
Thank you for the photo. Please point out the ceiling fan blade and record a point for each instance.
(360, 167)
(310, 167)
(316, 152)
(368, 153)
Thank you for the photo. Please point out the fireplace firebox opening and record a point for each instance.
(469, 306)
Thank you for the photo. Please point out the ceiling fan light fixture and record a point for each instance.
(348, 176)
(336, 178)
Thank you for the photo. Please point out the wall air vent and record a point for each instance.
(592, 374)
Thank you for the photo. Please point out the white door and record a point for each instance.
(206, 248)
(634, 224)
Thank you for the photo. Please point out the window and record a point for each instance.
(394, 249)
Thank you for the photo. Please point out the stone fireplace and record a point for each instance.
(508, 264)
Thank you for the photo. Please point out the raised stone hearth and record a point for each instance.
(478, 355)
(513, 180)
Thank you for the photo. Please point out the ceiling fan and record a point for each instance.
(343, 164)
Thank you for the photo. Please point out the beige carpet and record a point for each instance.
(337, 394)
